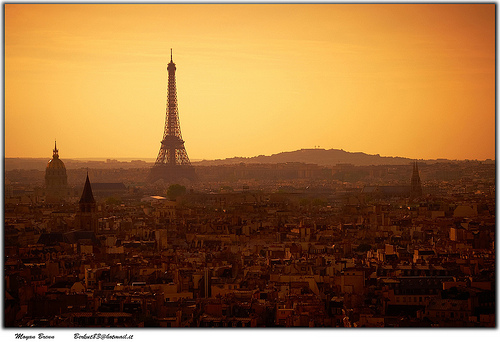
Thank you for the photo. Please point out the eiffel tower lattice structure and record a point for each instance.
(172, 163)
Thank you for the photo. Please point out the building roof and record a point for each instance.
(108, 186)
(52, 238)
(99, 314)
(79, 235)
(448, 305)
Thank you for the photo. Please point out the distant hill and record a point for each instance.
(316, 156)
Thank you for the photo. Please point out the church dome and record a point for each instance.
(56, 179)
(55, 164)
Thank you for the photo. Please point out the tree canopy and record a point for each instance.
(175, 190)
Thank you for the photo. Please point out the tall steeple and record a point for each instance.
(87, 195)
(86, 217)
(416, 186)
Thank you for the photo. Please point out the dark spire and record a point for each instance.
(87, 196)
(416, 185)
(171, 59)
(56, 151)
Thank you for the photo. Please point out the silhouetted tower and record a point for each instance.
(86, 218)
(416, 186)
(172, 163)
(56, 179)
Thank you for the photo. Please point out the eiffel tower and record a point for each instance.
(172, 163)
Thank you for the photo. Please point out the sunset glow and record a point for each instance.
(414, 80)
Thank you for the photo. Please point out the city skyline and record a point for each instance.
(380, 79)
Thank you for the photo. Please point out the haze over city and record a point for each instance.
(336, 168)
(409, 80)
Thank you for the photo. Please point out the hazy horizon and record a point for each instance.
(409, 80)
(152, 160)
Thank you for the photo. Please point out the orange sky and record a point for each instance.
(408, 80)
